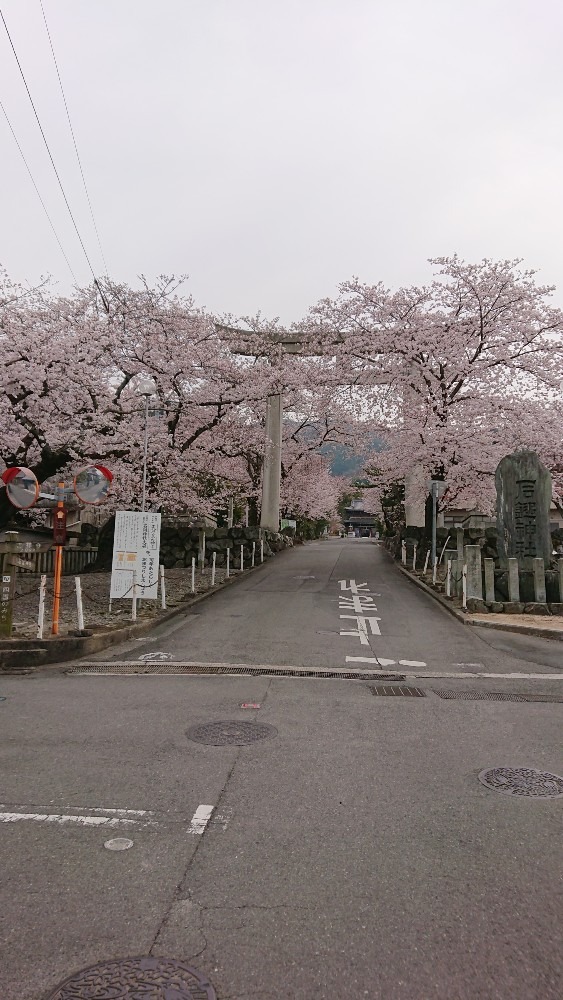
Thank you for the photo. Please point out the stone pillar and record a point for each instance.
(539, 581)
(561, 580)
(513, 580)
(523, 499)
(415, 497)
(474, 578)
(489, 579)
(460, 554)
(271, 476)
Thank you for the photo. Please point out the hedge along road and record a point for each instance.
(291, 612)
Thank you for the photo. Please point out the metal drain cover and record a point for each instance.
(396, 690)
(239, 734)
(151, 978)
(449, 694)
(522, 781)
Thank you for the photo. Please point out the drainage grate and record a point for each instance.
(154, 978)
(522, 781)
(212, 668)
(397, 690)
(238, 734)
(450, 694)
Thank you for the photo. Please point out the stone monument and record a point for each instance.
(523, 500)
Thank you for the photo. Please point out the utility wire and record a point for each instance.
(38, 192)
(96, 283)
(73, 136)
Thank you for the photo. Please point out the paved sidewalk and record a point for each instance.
(543, 626)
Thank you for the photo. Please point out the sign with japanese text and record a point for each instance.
(136, 548)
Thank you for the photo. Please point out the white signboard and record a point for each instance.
(136, 547)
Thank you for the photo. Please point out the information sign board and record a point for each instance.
(136, 548)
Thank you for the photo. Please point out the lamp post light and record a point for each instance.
(146, 388)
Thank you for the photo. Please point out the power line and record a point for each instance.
(49, 152)
(38, 192)
(73, 137)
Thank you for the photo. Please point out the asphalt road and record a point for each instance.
(353, 853)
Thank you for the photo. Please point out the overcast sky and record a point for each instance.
(273, 149)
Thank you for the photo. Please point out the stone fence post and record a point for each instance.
(474, 578)
(539, 581)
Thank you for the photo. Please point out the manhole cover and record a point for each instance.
(218, 734)
(522, 781)
(151, 978)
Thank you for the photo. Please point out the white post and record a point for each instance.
(79, 609)
(162, 586)
(426, 562)
(404, 553)
(134, 598)
(434, 570)
(464, 586)
(415, 546)
(228, 562)
(241, 558)
(213, 560)
(253, 552)
(193, 574)
(41, 618)
(262, 555)
(444, 549)
(449, 578)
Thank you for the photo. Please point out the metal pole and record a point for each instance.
(213, 560)
(434, 504)
(193, 574)
(57, 588)
(228, 561)
(79, 609)
(145, 451)
(41, 617)
(253, 552)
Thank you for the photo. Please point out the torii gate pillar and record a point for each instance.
(271, 475)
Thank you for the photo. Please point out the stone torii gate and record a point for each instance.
(290, 343)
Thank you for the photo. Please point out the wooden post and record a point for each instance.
(162, 587)
(449, 578)
(415, 546)
(41, 616)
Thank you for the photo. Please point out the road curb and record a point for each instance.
(542, 633)
(26, 655)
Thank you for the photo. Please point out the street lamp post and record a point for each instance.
(146, 388)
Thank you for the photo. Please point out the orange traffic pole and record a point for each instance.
(57, 588)
(59, 533)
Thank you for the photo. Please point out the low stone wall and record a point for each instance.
(179, 544)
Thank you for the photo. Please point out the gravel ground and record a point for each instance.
(95, 600)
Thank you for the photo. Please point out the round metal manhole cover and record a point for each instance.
(150, 978)
(522, 781)
(219, 734)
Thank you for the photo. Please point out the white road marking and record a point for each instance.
(92, 809)
(468, 664)
(200, 819)
(118, 844)
(8, 817)
(363, 625)
(149, 657)
(223, 818)
(382, 662)
(358, 602)
(353, 586)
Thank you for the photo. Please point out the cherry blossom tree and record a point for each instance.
(455, 374)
